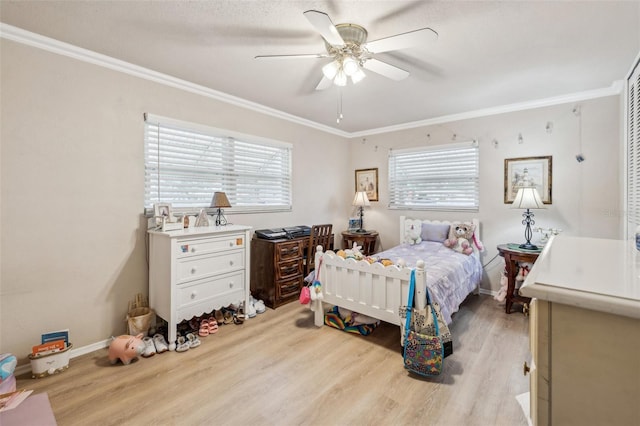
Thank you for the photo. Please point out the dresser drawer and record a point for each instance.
(194, 267)
(200, 246)
(289, 289)
(289, 269)
(203, 290)
(288, 251)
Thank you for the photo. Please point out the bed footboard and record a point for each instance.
(369, 289)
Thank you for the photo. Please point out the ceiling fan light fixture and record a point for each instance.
(350, 66)
(331, 69)
(341, 79)
(358, 76)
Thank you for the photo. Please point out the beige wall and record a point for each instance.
(586, 196)
(73, 240)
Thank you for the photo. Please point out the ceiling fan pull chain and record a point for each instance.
(340, 116)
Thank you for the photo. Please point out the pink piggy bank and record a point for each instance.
(125, 348)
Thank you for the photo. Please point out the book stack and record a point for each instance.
(52, 342)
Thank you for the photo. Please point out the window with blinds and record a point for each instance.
(186, 163)
(633, 149)
(444, 177)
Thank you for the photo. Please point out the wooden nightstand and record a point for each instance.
(365, 239)
(512, 255)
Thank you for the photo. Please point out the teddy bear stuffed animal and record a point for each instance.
(459, 238)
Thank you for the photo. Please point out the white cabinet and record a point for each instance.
(197, 270)
(585, 333)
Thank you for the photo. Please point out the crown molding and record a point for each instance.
(19, 35)
(45, 43)
(613, 90)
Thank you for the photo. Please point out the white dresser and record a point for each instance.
(197, 270)
(585, 333)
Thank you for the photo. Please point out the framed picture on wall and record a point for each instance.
(367, 180)
(529, 171)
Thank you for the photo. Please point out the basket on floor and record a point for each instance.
(140, 316)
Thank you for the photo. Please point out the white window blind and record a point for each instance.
(633, 149)
(186, 163)
(444, 177)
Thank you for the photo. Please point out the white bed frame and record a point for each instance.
(369, 289)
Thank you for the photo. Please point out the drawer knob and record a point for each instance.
(193, 295)
(231, 284)
(230, 243)
(193, 270)
(231, 263)
(193, 249)
(525, 368)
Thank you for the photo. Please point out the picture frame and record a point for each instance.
(367, 181)
(161, 210)
(354, 223)
(528, 171)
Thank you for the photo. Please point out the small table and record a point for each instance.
(512, 255)
(366, 239)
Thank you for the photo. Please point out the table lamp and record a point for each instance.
(218, 201)
(528, 198)
(361, 201)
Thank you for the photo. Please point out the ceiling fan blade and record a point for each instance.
(402, 41)
(303, 56)
(322, 23)
(325, 83)
(385, 69)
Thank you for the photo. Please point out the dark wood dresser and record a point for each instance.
(277, 269)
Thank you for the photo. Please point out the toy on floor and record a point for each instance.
(126, 348)
(504, 284)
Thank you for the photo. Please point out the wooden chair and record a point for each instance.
(320, 235)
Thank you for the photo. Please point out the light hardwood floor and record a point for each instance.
(278, 369)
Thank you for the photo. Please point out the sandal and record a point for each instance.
(228, 317)
(213, 325)
(193, 340)
(238, 319)
(182, 346)
(204, 328)
(219, 316)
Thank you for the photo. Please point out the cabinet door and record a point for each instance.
(540, 373)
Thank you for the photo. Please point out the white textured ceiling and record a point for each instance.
(488, 54)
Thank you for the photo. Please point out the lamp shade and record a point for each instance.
(220, 200)
(361, 199)
(528, 198)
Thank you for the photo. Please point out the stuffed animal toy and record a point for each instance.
(460, 237)
(412, 231)
(357, 252)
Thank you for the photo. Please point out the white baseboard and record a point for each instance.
(26, 368)
(489, 292)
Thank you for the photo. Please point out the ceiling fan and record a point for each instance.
(347, 45)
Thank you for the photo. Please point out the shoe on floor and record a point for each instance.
(204, 328)
(259, 305)
(160, 343)
(193, 340)
(251, 310)
(182, 346)
(149, 347)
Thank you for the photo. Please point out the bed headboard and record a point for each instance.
(435, 230)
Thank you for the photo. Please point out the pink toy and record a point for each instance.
(125, 348)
